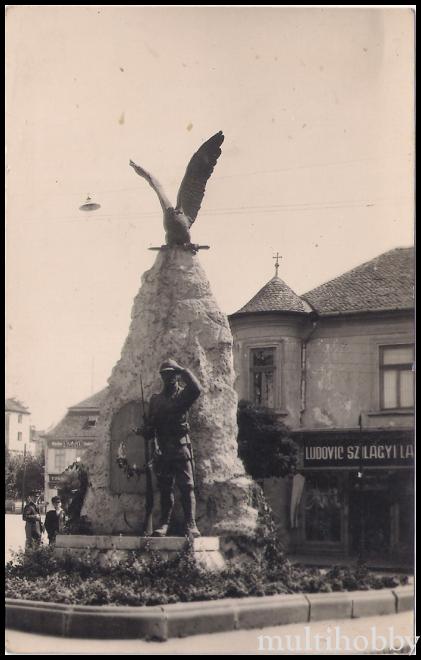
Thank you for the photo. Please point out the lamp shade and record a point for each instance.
(89, 205)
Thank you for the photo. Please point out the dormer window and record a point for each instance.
(90, 422)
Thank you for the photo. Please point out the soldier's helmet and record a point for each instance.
(169, 365)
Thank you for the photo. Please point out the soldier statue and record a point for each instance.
(167, 423)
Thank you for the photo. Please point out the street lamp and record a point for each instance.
(89, 205)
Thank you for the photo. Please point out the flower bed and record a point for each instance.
(38, 575)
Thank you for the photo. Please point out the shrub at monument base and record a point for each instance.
(264, 442)
(38, 575)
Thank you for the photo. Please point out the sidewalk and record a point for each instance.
(14, 534)
(290, 640)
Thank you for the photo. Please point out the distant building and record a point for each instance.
(18, 434)
(67, 441)
(38, 438)
(336, 364)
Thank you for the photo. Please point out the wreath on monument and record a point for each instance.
(130, 470)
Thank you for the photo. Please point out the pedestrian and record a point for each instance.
(54, 520)
(33, 525)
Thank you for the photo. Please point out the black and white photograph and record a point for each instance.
(210, 330)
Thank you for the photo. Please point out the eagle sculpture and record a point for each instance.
(178, 220)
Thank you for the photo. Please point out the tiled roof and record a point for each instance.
(384, 283)
(74, 423)
(13, 405)
(275, 296)
(93, 401)
(72, 426)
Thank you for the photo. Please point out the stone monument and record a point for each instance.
(174, 315)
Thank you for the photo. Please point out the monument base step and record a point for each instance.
(115, 549)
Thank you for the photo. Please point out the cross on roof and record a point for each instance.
(277, 257)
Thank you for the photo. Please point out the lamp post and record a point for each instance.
(360, 475)
(23, 476)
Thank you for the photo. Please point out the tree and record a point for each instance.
(34, 474)
(13, 461)
(264, 442)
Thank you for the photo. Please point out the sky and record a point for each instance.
(316, 105)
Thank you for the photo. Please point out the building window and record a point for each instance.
(60, 460)
(396, 377)
(90, 422)
(263, 377)
(19, 419)
(19, 436)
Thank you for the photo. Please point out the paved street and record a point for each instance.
(292, 639)
(14, 533)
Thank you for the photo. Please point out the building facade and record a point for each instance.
(67, 441)
(19, 434)
(336, 364)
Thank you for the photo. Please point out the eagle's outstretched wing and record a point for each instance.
(198, 171)
(154, 183)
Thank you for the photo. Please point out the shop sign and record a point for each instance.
(353, 453)
(70, 443)
(53, 480)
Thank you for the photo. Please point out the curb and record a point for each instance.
(161, 622)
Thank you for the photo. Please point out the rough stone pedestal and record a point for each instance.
(174, 315)
(114, 549)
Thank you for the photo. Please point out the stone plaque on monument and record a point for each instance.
(125, 443)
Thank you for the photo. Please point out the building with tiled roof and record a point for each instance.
(92, 402)
(13, 405)
(336, 365)
(275, 296)
(78, 421)
(67, 441)
(382, 284)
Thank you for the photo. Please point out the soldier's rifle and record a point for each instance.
(148, 529)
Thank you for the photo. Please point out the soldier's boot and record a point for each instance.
(188, 501)
(161, 531)
(167, 505)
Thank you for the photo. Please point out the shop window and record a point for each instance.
(406, 503)
(370, 501)
(263, 377)
(323, 504)
(396, 377)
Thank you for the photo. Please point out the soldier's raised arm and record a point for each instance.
(192, 389)
(191, 381)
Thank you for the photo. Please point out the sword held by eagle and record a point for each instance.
(178, 220)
